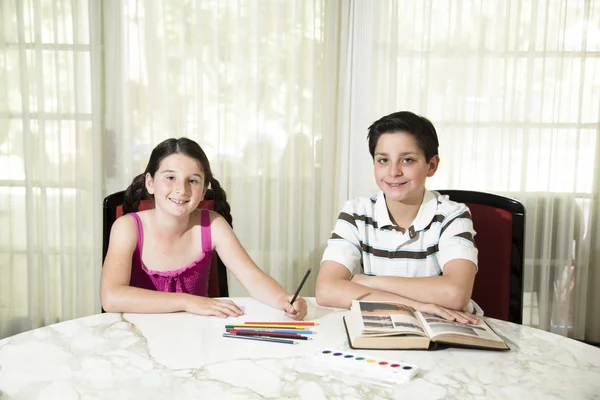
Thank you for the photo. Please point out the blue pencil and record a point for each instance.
(260, 339)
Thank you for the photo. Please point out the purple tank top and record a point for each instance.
(191, 279)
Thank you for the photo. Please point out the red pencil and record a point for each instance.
(299, 323)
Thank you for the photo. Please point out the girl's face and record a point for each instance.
(401, 169)
(178, 184)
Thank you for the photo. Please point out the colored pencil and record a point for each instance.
(295, 323)
(260, 339)
(300, 286)
(270, 326)
(300, 332)
(268, 334)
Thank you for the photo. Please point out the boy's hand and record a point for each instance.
(207, 306)
(446, 313)
(295, 311)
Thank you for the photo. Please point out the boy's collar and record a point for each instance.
(426, 211)
(382, 216)
(424, 216)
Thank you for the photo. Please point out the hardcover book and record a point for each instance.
(388, 325)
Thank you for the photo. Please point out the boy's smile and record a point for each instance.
(401, 169)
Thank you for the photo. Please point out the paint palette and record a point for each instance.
(354, 365)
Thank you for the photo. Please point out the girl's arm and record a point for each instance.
(117, 296)
(260, 285)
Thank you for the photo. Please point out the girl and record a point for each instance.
(158, 260)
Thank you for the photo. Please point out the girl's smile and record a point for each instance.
(179, 202)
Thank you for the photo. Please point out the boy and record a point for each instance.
(404, 244)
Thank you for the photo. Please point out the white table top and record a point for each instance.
(183, 356)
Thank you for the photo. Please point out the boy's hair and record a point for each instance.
(404, 121)
(137, 190)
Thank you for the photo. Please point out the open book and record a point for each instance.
(388, 325)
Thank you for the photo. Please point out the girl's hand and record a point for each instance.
(295, 311)
(207, 306)
(450, 315)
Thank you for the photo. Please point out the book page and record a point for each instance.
(437, 326)
(388, 317)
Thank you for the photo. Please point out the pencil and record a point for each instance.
(269, 334)
(271, 326)
(299, 323)
(300, 286)
(300, 332)
(260, 339)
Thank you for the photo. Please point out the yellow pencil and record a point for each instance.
(303, 323)
(274, 325)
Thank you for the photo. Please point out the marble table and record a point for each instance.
(183, 356)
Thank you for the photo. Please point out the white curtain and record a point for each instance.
(513, 89)
(255, 83)
(280, 94)
(50, 197)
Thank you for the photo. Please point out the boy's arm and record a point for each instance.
(335, 289)
(451, 290)
(457, 256)
(343, 254)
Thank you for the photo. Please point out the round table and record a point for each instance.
(184, 356)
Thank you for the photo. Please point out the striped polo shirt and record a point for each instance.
(365, 240)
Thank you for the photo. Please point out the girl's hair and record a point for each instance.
(137, 192)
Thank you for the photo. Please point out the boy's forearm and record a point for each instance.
(438, 290)
(340, 293)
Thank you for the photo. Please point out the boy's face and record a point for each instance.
(401, 169)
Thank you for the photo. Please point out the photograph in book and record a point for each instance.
(379, 316)
(439, 326)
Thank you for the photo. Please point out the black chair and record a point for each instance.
(113, 209)
(500, 226)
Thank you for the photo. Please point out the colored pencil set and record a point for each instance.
(277, 332)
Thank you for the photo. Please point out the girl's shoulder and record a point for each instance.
(144, 216)
(197, 214)
(124, 229)
(126, 221)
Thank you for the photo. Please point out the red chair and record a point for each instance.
(113, 209)
(500, 226)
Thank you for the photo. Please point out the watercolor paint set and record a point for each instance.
(355, 365)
